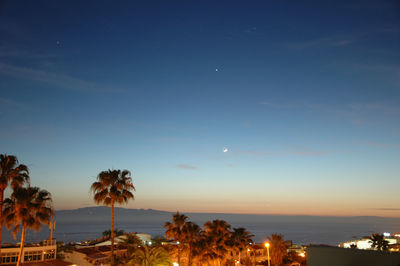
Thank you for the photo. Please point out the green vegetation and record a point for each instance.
(11, 172)
(113, 187)
(107, 233)
(28, 208)
(215, 244)
(150, 256)
(278, 249)
(175, 231)
(132, 242)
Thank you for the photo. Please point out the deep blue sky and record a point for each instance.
(304, 95)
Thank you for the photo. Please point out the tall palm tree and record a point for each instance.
(174, 231)
(11, 172)
(28, 208)
(278, 248)
(113, 187)
(146, 256)
(378, 241)
(240, 240)
(191, 234)
(217, 235)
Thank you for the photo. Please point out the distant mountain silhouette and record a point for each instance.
(101, 214)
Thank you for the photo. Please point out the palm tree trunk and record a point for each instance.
(1, 218)
(179, 254)
(21, 248)
(190, 255)
(112, 234)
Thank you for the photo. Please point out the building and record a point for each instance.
(95, 255)
(366, 243)
(40, 252)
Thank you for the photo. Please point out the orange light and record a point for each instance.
(267, 244)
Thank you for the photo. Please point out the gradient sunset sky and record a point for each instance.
(305, 95)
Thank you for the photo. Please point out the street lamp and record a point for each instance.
(267, 246)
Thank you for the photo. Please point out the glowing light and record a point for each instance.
(267, 245)
(302, 254)
(175, 264)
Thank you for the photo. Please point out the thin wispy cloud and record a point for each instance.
(334, 41)
(385, 209)
(306, 152)
(7, 102)
(56, 80)
(380, 144)
(376, 107)
(357, 113)
(338, 40)
(7, 51)
(296, 151)
(186, 166)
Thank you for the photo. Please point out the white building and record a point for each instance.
(365, 243)
(44, 251)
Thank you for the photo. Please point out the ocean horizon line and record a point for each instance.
(234, 213)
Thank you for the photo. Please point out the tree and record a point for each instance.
(11, 172)
(191, 234)
(131, 241)
(28, 208)
(174, 231)
(217, 236)
(278, 248)
(240, 240)
(147, 256)
(378, 241)
(113, 187)
(107, 233)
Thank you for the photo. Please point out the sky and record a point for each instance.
(304, 96)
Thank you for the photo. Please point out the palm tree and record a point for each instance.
(378, 241)
(111, 187)
(201, 249)
(131, 241)
(174, 231)
(217, 236)
(191, 234)
(28, 208)
(240, 240)
(146, 256)
(278, 248)
(11, 172)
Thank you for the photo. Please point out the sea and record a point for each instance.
(88, 224)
